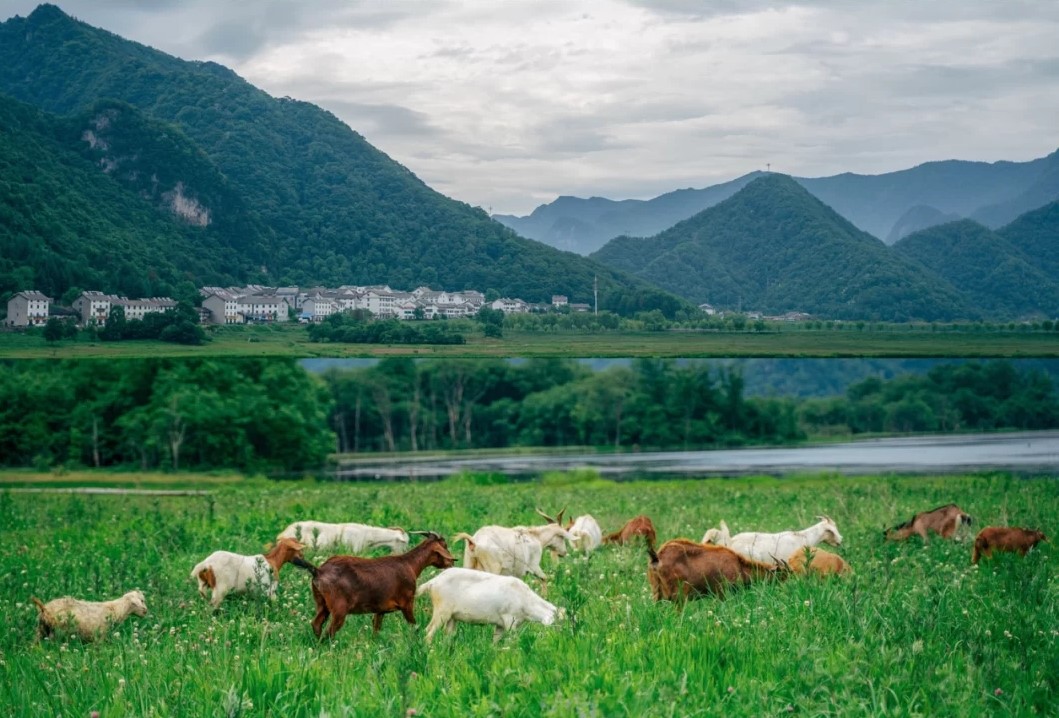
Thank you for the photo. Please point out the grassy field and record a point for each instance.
(271, 341)
(915, 631)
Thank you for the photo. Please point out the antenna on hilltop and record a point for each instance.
(768, 167)
(595, 294)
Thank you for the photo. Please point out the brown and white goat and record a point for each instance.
(350, 584)
(943, 521)
(1003, 538)
(683, 569)
(639, 526)
(225, 572)
(87, 619)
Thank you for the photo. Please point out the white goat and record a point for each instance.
(88, 619)
(226, 572)
(513, 551)
(463, 594)
(586, 532)
(772, 548)
(358, 538)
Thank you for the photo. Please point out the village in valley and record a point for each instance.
(256, 303)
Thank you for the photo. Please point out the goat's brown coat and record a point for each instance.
(943, 521)
(818, 561)
(1005, 538)
(683, 569)
(639, 526)
(350, 584)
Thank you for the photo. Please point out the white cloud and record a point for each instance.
(509, 104)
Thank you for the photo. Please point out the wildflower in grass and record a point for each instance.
(998, 692)
(1007, 634)
(731, 690)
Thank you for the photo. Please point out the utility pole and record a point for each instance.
(595, 295)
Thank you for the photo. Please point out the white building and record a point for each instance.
(510, 306)
(94, 307)
(139, 308)
(223, 307)
(263, 308)
(28, 309)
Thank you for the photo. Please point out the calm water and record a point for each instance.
(1028, 452)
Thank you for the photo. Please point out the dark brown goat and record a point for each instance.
(639, 526)
(350, 584)
(683, 569)
(1001, 538)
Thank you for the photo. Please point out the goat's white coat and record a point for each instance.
(358, 538)
(587, 534)
(463, 594)
(771, 548)
(235, 573)
(91, 619)
(513, 551)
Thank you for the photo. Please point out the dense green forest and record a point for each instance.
(775, 248)
(338, 211)
(273, 416)
(985, 266)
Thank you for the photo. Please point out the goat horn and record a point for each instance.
(550, 519)
(419, 533)
(559, 518)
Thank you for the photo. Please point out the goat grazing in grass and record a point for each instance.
(513, 551)
(773, 547)
(225, 572)
(639, 526)
(587, 535)
(683, 569)
(463, 594)
(356, 538)
(87, 619)
(818, 561)
(1000, 538)
(944, 521)
(350, 584)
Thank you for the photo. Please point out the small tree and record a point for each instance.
(54, 330)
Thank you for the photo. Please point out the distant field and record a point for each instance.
(914, 631)
(292, 341)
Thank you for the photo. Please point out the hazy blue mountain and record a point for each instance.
(774, 247)
(338, 211)
(877, 204)
(990, 270)
(917, 218)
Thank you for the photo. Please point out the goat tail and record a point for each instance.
(461, 536)
(40, 604)
(302, 563)
(651, 554)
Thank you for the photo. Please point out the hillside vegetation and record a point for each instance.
(774, 247)
(337, 210)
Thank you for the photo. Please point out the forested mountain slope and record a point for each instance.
(775, 248)
(993, 273)
(336, 209)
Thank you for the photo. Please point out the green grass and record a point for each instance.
(915, 631)
(292, 341)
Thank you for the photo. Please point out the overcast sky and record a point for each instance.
(507, 104)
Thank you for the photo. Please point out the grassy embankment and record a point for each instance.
(916, 630)
(292, 340)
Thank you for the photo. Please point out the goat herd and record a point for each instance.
(489, 589)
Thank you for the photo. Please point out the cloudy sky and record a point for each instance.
(507, 104)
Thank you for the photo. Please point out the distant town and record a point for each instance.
(257, 304)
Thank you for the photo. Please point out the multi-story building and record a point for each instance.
(28, 309)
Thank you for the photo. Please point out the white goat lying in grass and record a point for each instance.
(464, 594)
(357, 538)
(226, 572)
(771, 548)
(88, 619)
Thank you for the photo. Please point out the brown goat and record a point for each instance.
(350, 584)
(1001, 538)
(639, 526)
(818, 561)
(943, 520)
(683, 569)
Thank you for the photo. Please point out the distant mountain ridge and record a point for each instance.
(993, 193)
(774, 247)
(318, 203)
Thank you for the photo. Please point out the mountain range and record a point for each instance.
(775, 247)
(170, 171)
(888, 206)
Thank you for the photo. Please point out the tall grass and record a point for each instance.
(914, 631)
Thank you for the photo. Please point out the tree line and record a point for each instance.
(273, 416)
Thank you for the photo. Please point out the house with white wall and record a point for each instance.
(28, 309)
